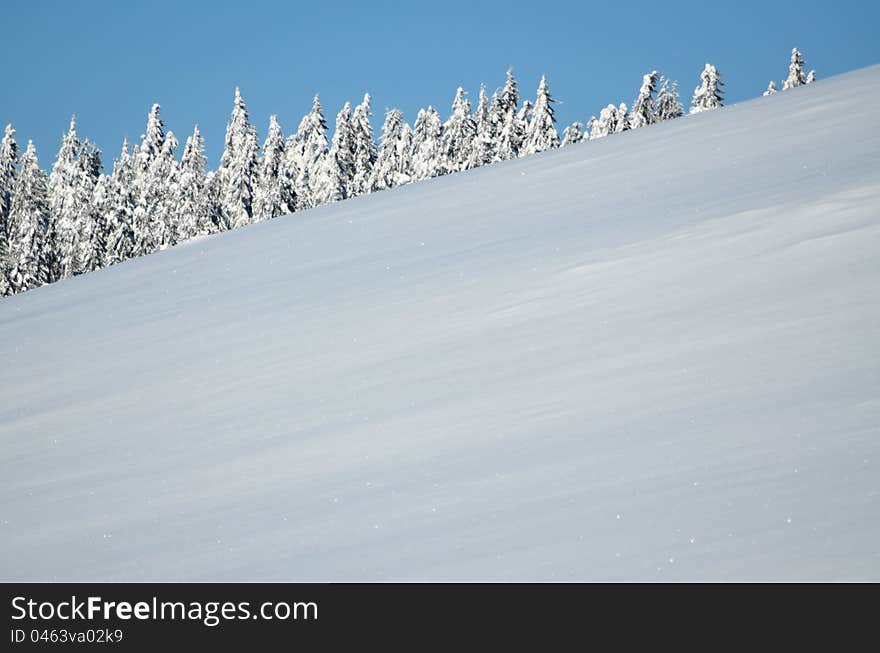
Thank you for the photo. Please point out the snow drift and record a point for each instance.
(651, 356)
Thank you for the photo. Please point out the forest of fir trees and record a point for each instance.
(77, 218)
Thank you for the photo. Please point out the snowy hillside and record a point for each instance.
(651, 356)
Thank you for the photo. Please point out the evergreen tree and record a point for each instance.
(644, 110)
(622, 119)
(542, 134)
(337, 174)
(275, 195)
(63, 182)
(708, 95)
(8, 161)
(524, 119)
(668, 105)
(457, 138)
(311, 138)
(121, 205)
(427, 131)
(27, 225)
(795, 71)
(364, 148)
(811, 77)
(237, 175)
(193, 199)
(484, 144)
(572, 134)
(84, 231)
(606, 124)
(771, 88)
(101, 207)
(386, 171)
(404, 169)
(510, 128)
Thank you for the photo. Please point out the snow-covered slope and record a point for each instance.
(654, 356)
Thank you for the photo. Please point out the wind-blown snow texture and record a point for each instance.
(652, 356)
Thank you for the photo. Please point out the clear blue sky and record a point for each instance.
(108, 61)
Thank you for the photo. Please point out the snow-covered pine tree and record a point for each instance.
(427, 130)
(668, 105)
(709, 94)
(542, 134)
(311, 139)
(148, 190)
(364, 148)
(508, 100)
(795, 71)
(8, 161)
(605, 124)
(572, 134)
(193, 198)
(101, 208)
(337, 171)
(811, 77)
(90, 165)
(404, 155)
(63, 181)
(274, 193)
(27, 224)
(622, 120)
(121, 205)
(388, 164)
(484, 145)
(644, 110)
(457, 138)
(771, 88)
(524, 118)
(237, 175)
(165, 174)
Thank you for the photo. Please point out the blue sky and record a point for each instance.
(108, 61)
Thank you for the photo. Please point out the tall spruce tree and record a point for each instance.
(121, 206)
(236, 177)
(542, 134)
(427, 130)
(709, 94)
(193, 198)
(337, 173)
(386, 171)
(457, 139)
(311, 139)
(484, 143)
(796, 75)
(364, 148)
(8, 161)
(27, 225)
(63, 181)
(644, 111)
(275, 194)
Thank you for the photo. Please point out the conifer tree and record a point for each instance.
(457, 138)
(644, 109)
(8, 161)
(605, 124)
(427, 130)
(275, 194)
(311, 138)
(364, 148)
(484, 144)
(121, 205)
(90, 165)
(668, 105)
(622, 121)
(63, 181)
(237, 175)
(811, 77)
(193, 199)
(709, 94)
(27, 224)
(771, 89)
(572, 134)
(337, 173)
(795, 71)
(542, 134)
(386, 171)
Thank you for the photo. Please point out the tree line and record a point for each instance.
(77, 218)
